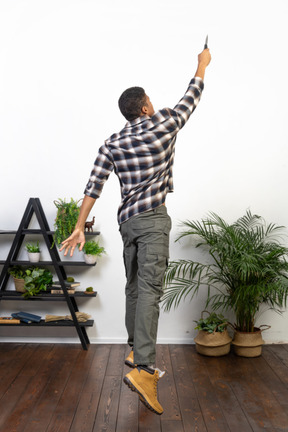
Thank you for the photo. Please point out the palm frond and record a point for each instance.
(249, 267)
(181, 279)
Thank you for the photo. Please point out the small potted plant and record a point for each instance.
(91, 251)
(37, 279)
(212, 339)
(30, 280)
(89, 290)
(33, 250)
(18, 273)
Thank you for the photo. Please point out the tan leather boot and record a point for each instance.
(130, 360)
(144, 382)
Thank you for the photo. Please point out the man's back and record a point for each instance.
(142, 156)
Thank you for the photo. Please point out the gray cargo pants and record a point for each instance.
(146, 252)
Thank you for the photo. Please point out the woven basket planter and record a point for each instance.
(19, 285)
(214, 344)
(249, 344)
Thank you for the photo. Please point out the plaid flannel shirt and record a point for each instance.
(142, 156)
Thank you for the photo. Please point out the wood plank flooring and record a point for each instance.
(61, 388)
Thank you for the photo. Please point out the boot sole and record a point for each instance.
(141, 396)
(131, 365)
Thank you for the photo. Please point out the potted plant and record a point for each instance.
(89, 290)
(18, 273)
(34, 279)
(66, 219)
(37, 279)
(33, 250)
(248, 268)
(91, 251)
(212, 338)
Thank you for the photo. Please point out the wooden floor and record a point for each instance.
(61, 388)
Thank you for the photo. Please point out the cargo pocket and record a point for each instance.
(156, 263)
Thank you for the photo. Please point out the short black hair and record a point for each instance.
(131, 102)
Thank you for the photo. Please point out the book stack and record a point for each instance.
(56, 288)
(26, 317)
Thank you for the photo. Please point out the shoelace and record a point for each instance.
(161, 373)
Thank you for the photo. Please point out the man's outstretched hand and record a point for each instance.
(204, 59)
(77, 237)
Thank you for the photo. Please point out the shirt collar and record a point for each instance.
(137, 121)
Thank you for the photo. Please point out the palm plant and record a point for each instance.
(248, 268)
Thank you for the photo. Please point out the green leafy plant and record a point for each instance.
(212, 323)
(248, 268)
(92, 248)
(33, 247)
(66, 219)
(36, 279)
(17, 272)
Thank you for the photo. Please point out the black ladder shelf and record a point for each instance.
(34, 206)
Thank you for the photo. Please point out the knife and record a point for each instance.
(206, 42)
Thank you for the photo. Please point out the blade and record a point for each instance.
(206, 42)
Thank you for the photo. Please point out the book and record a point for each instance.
(9, 320)
(26, 317)
(57, 284)
(60, 291)
(15, 315)
(26, 321)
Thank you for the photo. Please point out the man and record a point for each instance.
(142, 156)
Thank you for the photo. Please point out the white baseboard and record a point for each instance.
(186, 341)
(66, 340)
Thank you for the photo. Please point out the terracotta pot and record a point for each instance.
(249, 344)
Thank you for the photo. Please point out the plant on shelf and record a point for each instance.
(18, 273)
(89, 290)
(36, 279)
(248, 268)
(33, 250)
(66, 219)
(92, 250)
(33, 247)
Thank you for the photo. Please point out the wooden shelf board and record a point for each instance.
(42, 323)
(38, 231)
(60, 263)
(14, 295)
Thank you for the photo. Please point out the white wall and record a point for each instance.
(64, 64)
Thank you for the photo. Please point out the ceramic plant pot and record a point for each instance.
(34, 256)
(90, 259)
